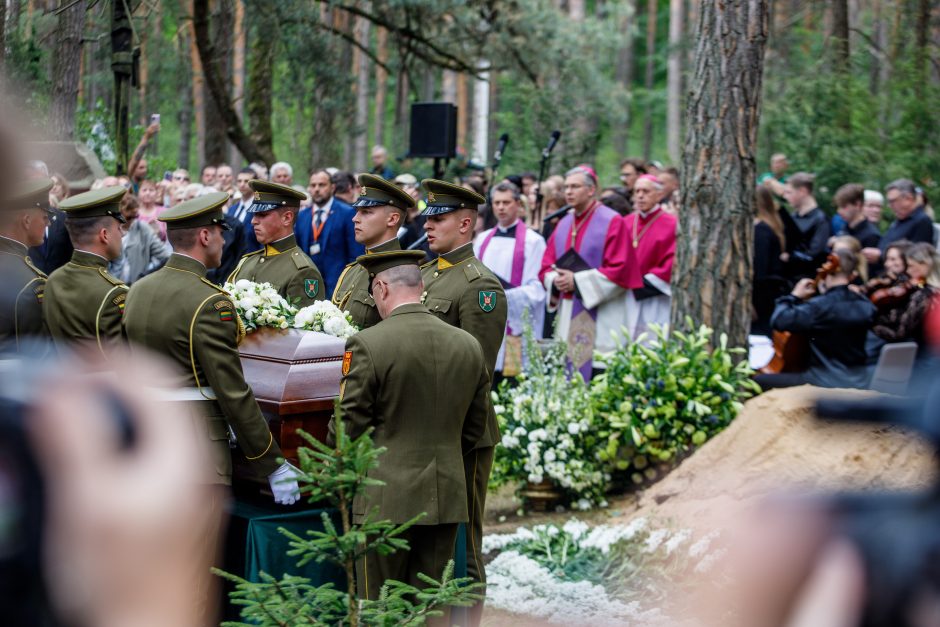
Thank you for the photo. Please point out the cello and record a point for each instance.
(791, 350)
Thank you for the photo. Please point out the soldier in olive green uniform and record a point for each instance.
(423, 387)
(280, 263)
(23, 220)
(380, 210)
(178, 313)
(463, 292)
(83, 302)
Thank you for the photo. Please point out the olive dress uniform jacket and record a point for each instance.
(464, 293)
(287, 268)
(179, 314)
(84, 303)
(423, 386)
(21, 294)
(352, 290)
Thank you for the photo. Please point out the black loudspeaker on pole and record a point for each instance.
(546, 155)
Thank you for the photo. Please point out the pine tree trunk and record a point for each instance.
(122, 67)
(65, 71)
(184, 116)
(361, 122)
(381, 85)
(198, 92)
(222, 22)
(651, 10)
(840, 35)
(240, 44)
(921, 43)
(624, 76)
(712, 274)
(674, 82)
(258, 94)
(401, 117)
(879, 32)
(481, 110)
(3, 37)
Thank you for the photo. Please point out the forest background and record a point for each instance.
(317, 83)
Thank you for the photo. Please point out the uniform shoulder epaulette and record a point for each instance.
(301, 260)
(472, 272)
(110, 279)
(32, 266)
(218, 288)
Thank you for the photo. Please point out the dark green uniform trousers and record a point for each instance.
(477, 466)
(432, 546)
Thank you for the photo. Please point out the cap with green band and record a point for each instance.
(268, 196)
(97, 203)
(200, 211)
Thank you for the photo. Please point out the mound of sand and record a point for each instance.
(776, 444)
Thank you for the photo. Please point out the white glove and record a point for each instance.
(283, 482)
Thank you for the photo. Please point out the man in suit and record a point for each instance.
(239, 211)
(83, 303)
(325, 230)
(56, 247)
(423, 387)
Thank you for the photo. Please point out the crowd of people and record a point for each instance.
(883, 276)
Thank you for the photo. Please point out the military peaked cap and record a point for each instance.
(376, 192)
(200, 211)
(97, 203)
(270, 196)
(376, 263)
(444, 197)
(29, 194)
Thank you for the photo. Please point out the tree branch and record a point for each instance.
(233, 126)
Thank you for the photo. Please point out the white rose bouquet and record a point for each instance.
(259, 305)
(325, 317)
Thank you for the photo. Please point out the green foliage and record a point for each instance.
(664, 398)
(337, 475)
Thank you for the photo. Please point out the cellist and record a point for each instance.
(835, 320)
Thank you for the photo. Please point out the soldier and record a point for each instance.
(380, 211)
(178, 313)
(461, 291)
(423, 387)
(82, 301)
(23, 220)
(280, 263)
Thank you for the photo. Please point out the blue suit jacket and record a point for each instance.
(338, 246)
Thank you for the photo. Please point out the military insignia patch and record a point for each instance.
(431, 197)
(487, 301)
(226, 315)
(347, 361)
(364, 191)
(311, 287)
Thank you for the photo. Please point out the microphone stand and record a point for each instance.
(546, 155)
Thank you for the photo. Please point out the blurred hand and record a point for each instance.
(122, 523)
(806, 288)
(872, 255)
(152, 130)
(565, 280)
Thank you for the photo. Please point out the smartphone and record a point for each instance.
(168, 176)
(155, 118)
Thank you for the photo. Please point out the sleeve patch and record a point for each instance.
(347, 362)
(224, 304)
(226, 315)
(119, 300)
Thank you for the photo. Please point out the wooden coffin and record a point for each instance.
(295, 376)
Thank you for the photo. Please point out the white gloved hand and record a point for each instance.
(283, 482)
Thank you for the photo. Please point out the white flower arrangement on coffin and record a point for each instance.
(259, 305)
(325, 317)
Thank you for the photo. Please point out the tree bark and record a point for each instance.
(184, 116)
(712, 274)
(381, 85)
(66, 63)
(840, 35)
(922, 51)
(260, 77)
(122, 66)
(220, 25)
(674, 82)
(361, 122)
(3, 37)
(651, 10)
(624, 76)
(240, 44)
(251, 150)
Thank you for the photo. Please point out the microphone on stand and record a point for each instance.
(500, 147)
(556, 134)
(557, 214)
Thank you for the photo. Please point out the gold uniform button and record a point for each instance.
(262, 260)
(435, 274)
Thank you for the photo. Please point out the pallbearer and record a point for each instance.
(461, 291)
(83, 303)
(24, 215)
(280, 263)
(380, 211)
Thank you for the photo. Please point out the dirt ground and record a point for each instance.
(776, 445)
